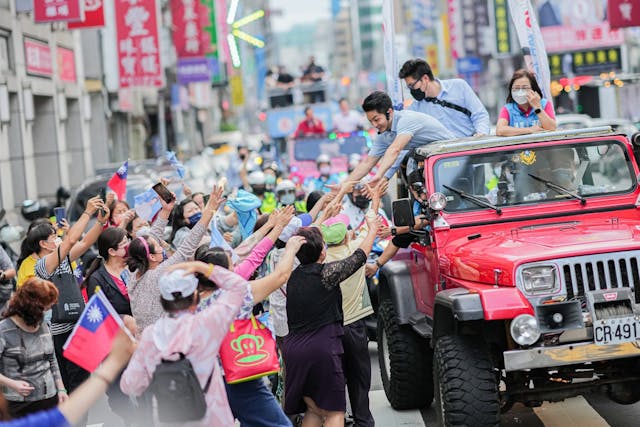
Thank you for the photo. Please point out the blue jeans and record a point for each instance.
(254, 406)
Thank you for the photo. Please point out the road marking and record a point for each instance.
(571, 412)
(386, 416)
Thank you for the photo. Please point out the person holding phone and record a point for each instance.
(147, 261)
(526, 111)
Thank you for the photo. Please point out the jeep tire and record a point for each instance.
(405, 362)
(466, 388)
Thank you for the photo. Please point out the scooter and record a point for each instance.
(10, 236)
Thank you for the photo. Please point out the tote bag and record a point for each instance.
(70, 302)
(248, 351)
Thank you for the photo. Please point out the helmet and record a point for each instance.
(323, 158)
(34, 209)
(256, 178)
(285, 184)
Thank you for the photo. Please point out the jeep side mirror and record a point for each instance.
(403, 213)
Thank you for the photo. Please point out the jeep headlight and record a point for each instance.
(525, 329)
(541, 279)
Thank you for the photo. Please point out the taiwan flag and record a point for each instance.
(118, 182)
(91, 338)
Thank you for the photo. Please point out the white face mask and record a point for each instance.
(519, 96)
(288, 199)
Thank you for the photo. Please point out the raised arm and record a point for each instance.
(391, 154)
(73, 235)
(263, 287)
(92, 236)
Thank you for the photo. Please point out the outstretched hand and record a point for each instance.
(295, 243)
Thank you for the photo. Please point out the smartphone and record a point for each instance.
(60, 215)
(102, 193)
(163, 192)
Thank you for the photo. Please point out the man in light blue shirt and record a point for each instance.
(397, 131)
(452, 102)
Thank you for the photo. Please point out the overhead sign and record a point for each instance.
(93, 15)
(38, 58)
(57, 10)
(586, 62)
(137, 43)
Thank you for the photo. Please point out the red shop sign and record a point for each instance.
(57, 10)
(624, 13)
(66, 64)
(93, 15)
(38, 58)
(138, 45)
(190, 17)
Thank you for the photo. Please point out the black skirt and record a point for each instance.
(314, 369)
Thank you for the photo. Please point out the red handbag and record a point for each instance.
(248, 351)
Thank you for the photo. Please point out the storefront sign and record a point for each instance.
(191, 70)
(586, 62)
(93, 15)
(503, 37)
(66, 64)
(57, 10)
(137, 43)
(455, 29)
(38, 58)
(624, 13)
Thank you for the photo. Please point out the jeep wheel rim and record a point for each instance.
(385, 353)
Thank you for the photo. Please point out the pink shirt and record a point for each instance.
(255, 258)
(121, 285)
(198, 336)
(504, 113)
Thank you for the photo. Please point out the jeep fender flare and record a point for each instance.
(395, 284)
(452, 306)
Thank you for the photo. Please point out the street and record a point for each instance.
(591, 411)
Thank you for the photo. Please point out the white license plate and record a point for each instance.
(616, 331)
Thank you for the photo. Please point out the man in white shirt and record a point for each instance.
(347, 120)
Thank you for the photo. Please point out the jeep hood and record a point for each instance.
(476, 256)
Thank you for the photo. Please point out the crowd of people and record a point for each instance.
(291, 252)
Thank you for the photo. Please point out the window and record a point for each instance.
(5, 58)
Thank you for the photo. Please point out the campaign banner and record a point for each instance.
(190, 18)
(38, 58)
(66, 64)
(191, 70)
(623, 13)
(57, 10)
(138, 43)
(532, 44)
(93, 15)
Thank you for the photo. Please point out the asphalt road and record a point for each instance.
(590, 411)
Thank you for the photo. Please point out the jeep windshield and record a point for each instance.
(535, 174)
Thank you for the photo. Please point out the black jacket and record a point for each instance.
(102, 278)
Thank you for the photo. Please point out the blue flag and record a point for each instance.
(171, 156)
(147, 204)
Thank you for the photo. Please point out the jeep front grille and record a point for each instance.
(606, 271)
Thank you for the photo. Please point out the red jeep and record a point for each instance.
(525, 286)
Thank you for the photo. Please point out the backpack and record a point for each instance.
(177, 391)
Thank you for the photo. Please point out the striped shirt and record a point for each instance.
(41, 272)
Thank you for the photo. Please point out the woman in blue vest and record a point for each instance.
(526, 111)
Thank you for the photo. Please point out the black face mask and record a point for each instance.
(360, 201)
(258, 190)
(417, 94)
(242, 156)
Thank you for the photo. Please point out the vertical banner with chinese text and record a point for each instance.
(532, 44)
(137, 43)
(190, 18)
(390, 53)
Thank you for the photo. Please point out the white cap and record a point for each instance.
(291, 229)
(256, 178)
(285, 184)
(176, 281)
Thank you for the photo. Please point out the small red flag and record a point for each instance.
(118, 182)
